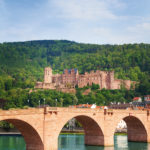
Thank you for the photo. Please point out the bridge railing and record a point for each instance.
(69, 109)
(94, 111)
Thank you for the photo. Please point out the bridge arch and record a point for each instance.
(32, 139)
(136, 131)
(92, 130)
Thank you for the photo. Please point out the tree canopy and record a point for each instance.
(22, 64)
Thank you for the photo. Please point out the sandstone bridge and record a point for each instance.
(41, 127)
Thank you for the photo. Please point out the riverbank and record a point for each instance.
(79, 132)
(9, 132)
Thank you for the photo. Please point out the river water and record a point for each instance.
(73, 142)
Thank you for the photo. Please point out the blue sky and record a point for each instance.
(88, 21)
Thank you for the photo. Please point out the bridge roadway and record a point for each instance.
(41, 127)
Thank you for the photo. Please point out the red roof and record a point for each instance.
(136, 98)
(84, 106)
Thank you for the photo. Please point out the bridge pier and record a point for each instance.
(50, 132)
(99, 140)
(109, 140)
(94, 140)
(51, 146)
(50, 143)
(33, 147)
(135, 137)
(148, 138)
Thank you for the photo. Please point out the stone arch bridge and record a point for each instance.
(41, 127)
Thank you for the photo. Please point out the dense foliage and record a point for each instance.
(22, 64)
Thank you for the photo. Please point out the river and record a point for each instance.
(74, 142)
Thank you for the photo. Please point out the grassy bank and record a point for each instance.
(82, 133)
(120, 133)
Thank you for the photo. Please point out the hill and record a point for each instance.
(22, 63)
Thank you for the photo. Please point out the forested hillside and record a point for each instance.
(22, 64)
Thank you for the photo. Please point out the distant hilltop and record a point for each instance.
(71, 78)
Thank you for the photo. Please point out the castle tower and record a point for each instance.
(111, 74)
(48, 75)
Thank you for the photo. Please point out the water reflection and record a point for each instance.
(73, 142)
(138, 146)
(12, 143)
(121, 142)
(76, 142)
(67, 142)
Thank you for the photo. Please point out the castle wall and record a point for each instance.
(48, 86)
(82, 81)
(127, 84)
(70, 78)
(116, 84)
(39, 85)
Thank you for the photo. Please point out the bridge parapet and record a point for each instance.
(110, 112)
(83, 110)
(21, 111)
(68, 109)
(74, 110)
(50, 110)
(128, 111)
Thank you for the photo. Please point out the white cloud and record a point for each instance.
(140, 27)
(89, 21)
(116, 4)
(82, 9)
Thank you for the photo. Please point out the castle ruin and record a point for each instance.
(70, 78)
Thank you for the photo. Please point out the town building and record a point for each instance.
(138, 103)
(147, 101)
(70, 78)
(92, 106)
(147, 98)
(137, 99)
(120, 105)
